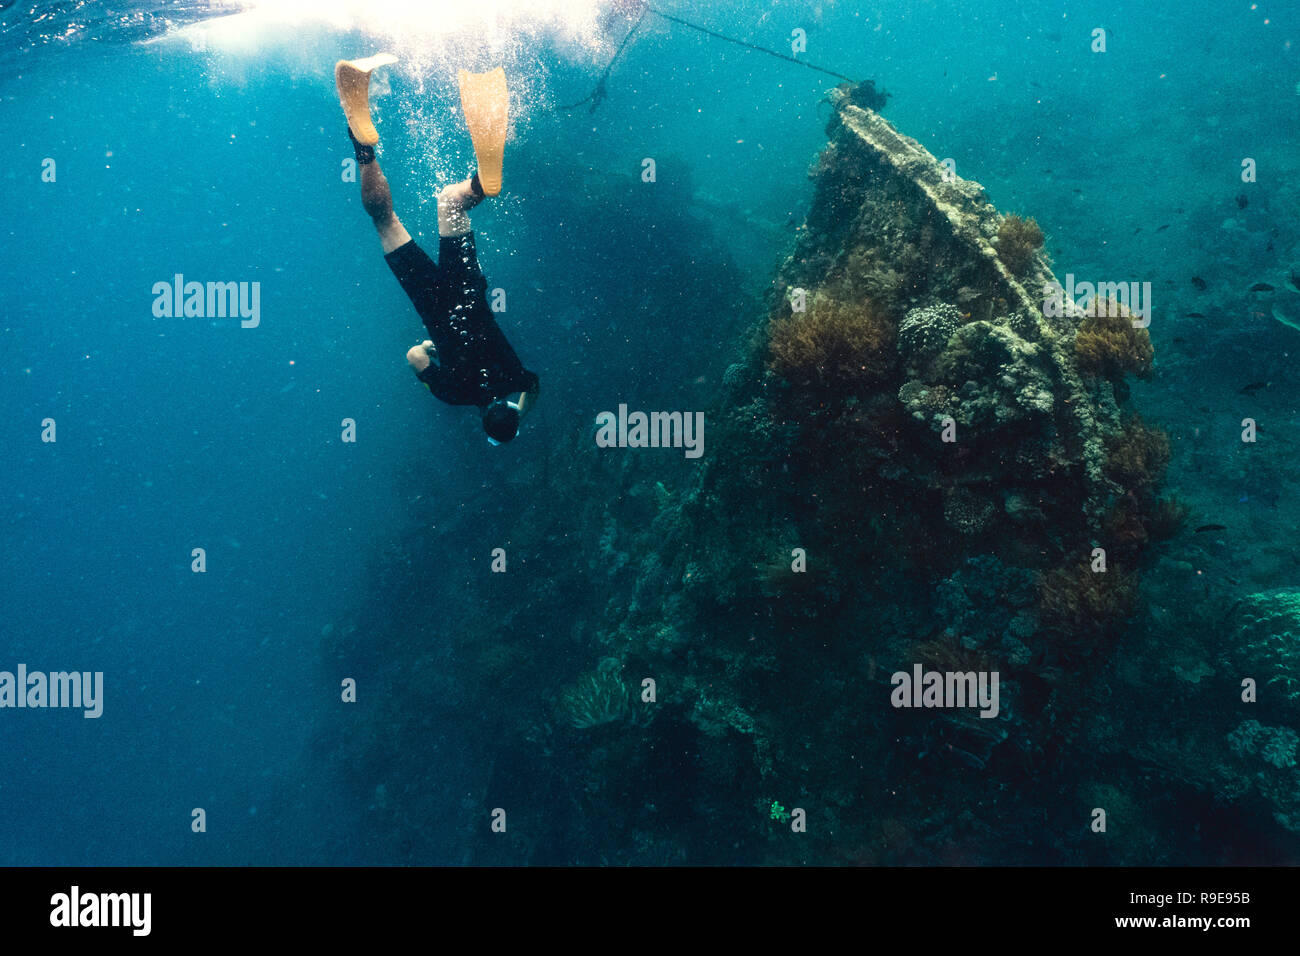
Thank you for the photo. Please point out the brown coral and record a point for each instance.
(1109, 346)
(1123, 527)
(1166, 517)
(1085, 609)
(837, 345)
(1138, 519)
(1137, 457)
(946, 652)
(1019, 240)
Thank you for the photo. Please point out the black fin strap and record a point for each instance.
(475, 186)
(365, 154)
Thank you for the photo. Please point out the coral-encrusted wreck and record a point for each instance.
(893, 226)
(909, 468)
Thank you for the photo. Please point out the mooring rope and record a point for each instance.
(600, 92)
(747, 45)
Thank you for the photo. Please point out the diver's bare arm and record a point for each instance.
(377, 199)
(525, 403)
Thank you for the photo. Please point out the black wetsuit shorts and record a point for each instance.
(474, 365)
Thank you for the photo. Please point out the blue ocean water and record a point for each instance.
(181, 142)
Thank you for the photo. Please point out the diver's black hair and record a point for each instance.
(500, 421)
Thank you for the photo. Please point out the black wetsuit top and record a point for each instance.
(475, 365)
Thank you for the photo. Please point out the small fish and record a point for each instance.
(1179, 340)
(1137, 230)
(1076, 190)
(1252, 388)
(1242, 202)
(1196, 315)
(1199, 283)
(1162, 228)
(1261, 287)
(1211, 527)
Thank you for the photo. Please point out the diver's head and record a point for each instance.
(500, 421)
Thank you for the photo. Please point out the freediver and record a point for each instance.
(466, 360)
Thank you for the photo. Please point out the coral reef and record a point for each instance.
(599, 697)
(1137, 456)
(1269, 756)
(1109, 345)
(1268, 635)
(1019, 240)
(915, 321)
(925, 331)
(1086, 609)
(990, 605)
(1274, 745)
(998, 377)
(839, 344)
(889, 218)
(967, 512)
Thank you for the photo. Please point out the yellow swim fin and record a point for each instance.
(352, 77)
(486, 104)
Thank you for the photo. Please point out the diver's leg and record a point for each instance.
(454, 203)
(352, 77)
(377, 199)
